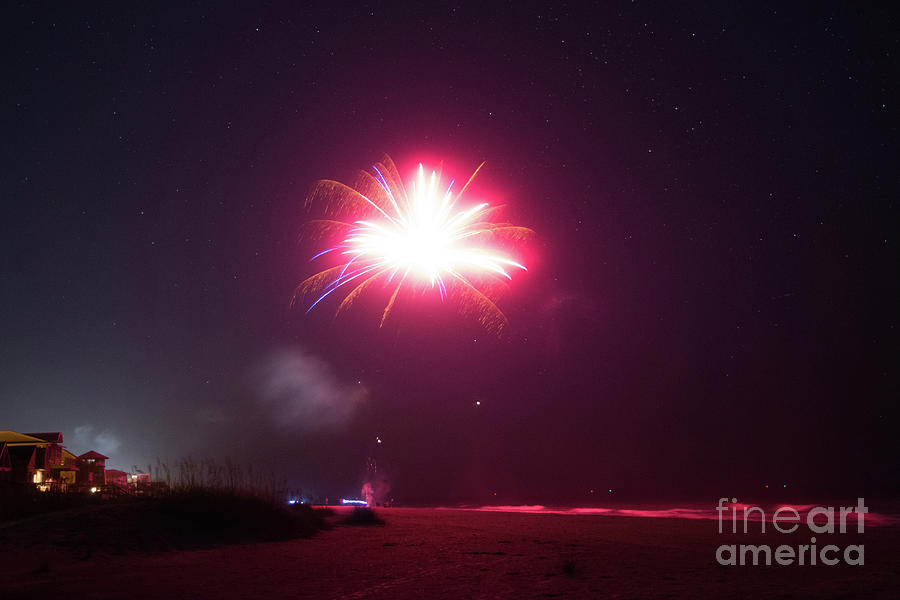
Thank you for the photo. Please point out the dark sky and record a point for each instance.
(711, 304)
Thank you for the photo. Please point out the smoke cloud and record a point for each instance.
(301, 392)
(86, 438)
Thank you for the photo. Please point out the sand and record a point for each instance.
(439, 553)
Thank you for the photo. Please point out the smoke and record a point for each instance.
(288, 402)
(377, 490)
(85, 439)
(377, 486)
(301, 392)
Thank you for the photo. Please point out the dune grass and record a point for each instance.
(22, 502)
(197, 504)
(362, 515)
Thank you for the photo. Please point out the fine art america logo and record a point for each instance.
(787, 520)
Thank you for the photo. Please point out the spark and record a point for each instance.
(424, 237)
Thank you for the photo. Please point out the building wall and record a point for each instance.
(91, 473)
(22, 458)
(117, 478)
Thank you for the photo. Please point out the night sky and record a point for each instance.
(711, 301)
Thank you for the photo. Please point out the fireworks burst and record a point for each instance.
(407, 239)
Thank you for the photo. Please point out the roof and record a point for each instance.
(93, 454)
(13, 438)
(116, 472)
(50, 436)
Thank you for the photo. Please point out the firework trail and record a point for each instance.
(421, 238)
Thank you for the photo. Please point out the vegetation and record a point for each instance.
(208, 474)
(22, 502)
(198, 504)
(362, 516)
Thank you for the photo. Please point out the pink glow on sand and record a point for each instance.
(872, 518)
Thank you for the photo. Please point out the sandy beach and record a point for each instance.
(447, 553)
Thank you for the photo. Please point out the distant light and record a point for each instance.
(292, 501)
(93, 490)
(785, 485)
(610, 491)
(353, 501)
(478, 403)
(767, 486)
(378, 439)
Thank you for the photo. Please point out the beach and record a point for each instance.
(451, 553)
